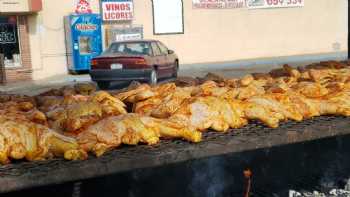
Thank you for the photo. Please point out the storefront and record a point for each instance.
(14, 38)
(200, 31)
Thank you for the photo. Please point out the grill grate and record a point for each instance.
(21, 174)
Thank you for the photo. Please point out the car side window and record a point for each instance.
(155, 48)
(163, 49)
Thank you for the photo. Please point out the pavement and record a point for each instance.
(231, 69)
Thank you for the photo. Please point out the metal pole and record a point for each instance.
(2, 69)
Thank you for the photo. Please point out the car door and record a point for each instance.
(168, 60)
(159, 60)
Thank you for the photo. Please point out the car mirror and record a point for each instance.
(170, 51)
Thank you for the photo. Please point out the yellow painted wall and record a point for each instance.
(210, 35)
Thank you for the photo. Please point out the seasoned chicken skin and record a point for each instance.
(202, 113)
(131, 129)
(22, 139)
(75, 115)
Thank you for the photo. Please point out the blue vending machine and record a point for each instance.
(83, 40)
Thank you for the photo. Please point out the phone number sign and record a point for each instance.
(7, 33)
(253, 4)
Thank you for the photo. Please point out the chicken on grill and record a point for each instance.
(99, 120)
(271, 108)
(131, 129)
(202, 113)
(25, 109)
(75, 115)
(23, 139)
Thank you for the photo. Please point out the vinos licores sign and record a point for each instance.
(117, 10)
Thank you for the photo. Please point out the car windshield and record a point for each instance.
(137, 48)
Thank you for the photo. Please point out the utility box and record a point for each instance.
(83, 40)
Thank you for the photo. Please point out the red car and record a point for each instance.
(141, 60)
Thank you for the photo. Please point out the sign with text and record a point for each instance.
(123, 37)
(253, 4)
(117, 10)
(116, 34)
(218, 4)
(7, 33)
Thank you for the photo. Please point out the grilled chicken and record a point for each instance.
(24, 109)
(202, 113)
(100, 122)
(131, 129)
(74, 115)
(271, 108)
(23, 139)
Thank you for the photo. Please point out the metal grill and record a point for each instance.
(21, 174)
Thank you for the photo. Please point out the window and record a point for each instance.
(162, 48)
(85, 45)
(135, 48)
(9, 43)
(156, 50)
(168, 17)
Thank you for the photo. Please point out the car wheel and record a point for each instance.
(153, 78)
(103, 84)
(176, 70)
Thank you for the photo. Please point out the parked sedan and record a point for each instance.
(141, 60)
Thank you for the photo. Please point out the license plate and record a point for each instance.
(116, 66)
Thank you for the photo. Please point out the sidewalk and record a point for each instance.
(226, 69)
(38, 86)
(242, 67)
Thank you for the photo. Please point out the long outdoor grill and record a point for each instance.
(22, 175)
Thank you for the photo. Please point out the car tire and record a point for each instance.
(153, 77)
(176, 70)
(103, 84)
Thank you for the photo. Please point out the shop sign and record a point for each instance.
(253, 4)
(218, 4)
(7, 33)
(116, 34)
(85, 27)
(83, 7)
(117, 10)
(124, 37)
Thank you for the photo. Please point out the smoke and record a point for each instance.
(209, 178)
